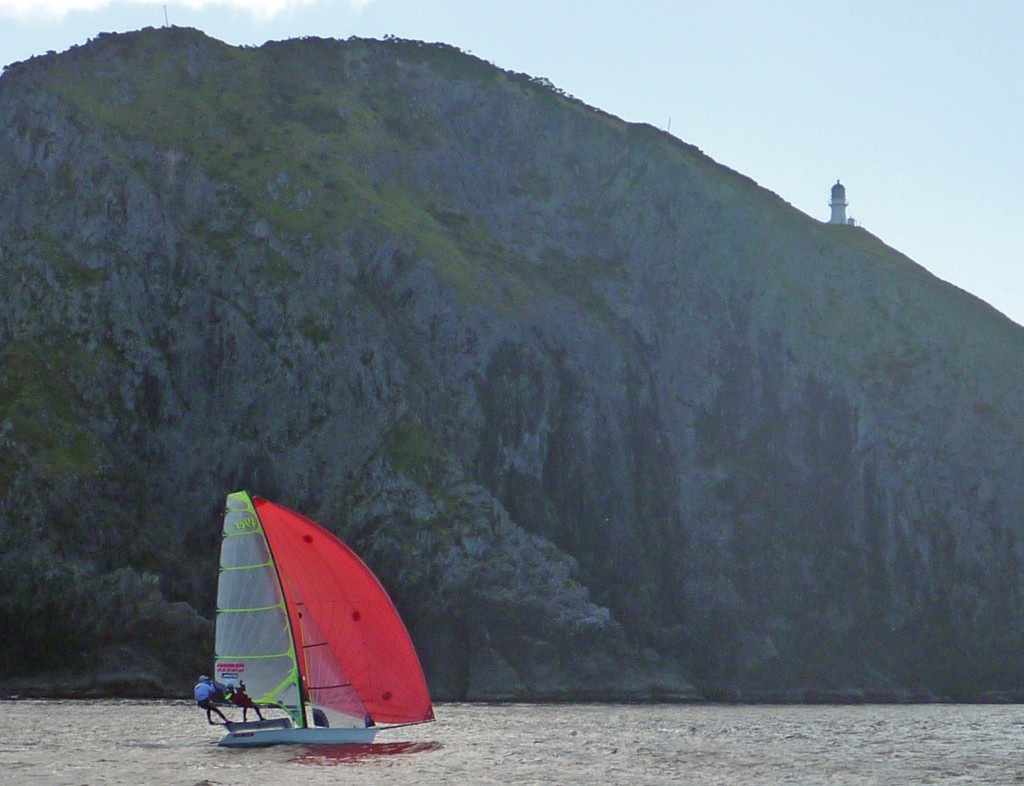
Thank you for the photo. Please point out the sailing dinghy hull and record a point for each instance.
(256, 738)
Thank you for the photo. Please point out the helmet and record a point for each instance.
(203, 678)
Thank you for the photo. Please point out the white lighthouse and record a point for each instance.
(838, 204)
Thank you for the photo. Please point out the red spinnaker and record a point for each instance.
(352, 612)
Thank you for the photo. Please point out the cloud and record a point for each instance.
(55, 10)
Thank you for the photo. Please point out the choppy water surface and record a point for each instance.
(159, 743)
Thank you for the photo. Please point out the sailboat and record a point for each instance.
(308, 628)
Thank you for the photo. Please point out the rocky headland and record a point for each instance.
(608, 419)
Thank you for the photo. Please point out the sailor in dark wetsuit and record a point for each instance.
(236, 695)
(206, 691)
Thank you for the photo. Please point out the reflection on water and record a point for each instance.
(361, 754)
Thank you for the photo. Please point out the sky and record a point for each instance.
(915, 105)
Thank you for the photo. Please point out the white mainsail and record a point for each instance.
(254, 641)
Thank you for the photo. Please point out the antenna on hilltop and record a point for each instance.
(166, 23)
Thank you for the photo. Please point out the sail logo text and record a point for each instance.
(248, 523)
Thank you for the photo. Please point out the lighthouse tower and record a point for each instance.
(838, 204)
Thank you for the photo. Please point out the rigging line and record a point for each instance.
(402, 725)
(331, 687)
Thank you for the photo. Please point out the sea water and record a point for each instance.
(162, 743)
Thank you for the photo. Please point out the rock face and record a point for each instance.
(607, 418)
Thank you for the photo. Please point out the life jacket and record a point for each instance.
(204, 691)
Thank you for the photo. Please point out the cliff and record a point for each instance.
(607, 418)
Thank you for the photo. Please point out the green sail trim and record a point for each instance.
(254, 566)
(254, 608)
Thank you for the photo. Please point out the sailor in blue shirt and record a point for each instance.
(206, 692)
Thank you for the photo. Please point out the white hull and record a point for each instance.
(296, 736)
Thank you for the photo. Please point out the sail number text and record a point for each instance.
(248, 523)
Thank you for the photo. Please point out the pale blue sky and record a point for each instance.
(916, 106)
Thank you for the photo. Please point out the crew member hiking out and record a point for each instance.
(206, 692)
